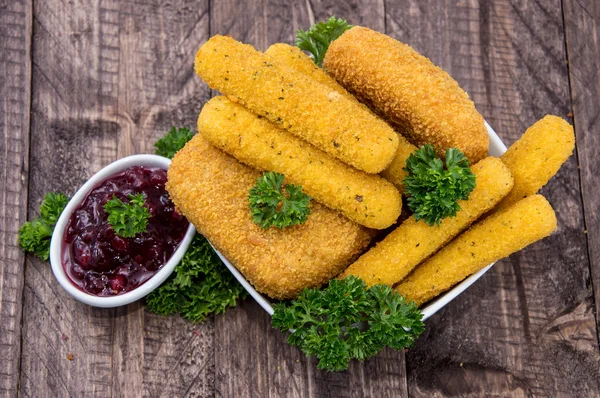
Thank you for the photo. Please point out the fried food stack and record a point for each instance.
(344, 134)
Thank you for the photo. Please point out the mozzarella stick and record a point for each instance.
(404, 248)
(496, 237)
(364, 198)
(395, 172)
(418, 98)
(211, 189)
(537, 156)
(293, 101)
(294, 58)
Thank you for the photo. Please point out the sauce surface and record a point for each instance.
(104, 264)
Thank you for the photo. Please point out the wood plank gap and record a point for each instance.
(595, 293)
(30, 38)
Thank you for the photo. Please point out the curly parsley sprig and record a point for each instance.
(346, 320)
(128, 219)
(171, 143)
(433, 187)
(199, 286)
(35, 235)
(317, 38)
(271, 207)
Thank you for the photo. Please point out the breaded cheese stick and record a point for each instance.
(293, 101)
(419, 99)
(395, 172)
(536, 157)
(496, 237)
(364, 198)
(211, 189)
(404, 248)
(294, 58)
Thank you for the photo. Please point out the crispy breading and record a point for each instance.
(395, 172)
(536, 157)
(211, 189)
(418, 98)
(364, 198)
(294, 58)
(413, 241)
(293, 101)
(496, 237)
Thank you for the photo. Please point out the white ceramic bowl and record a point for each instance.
(497, 148)
(76, 200)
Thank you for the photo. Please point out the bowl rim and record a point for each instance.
(496, 148)
(56, 242)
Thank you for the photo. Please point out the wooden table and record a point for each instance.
(84, 82)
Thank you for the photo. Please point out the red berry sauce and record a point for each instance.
(104, 264)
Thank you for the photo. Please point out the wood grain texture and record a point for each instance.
(128, 78)
(503, 336)
(582, 29)
(15, 96)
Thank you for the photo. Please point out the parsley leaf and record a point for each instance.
(199, 286)
(317, 38)
(271, 207)
(346, 320)
(171, 143)
(434, 189)
(35, 235)
(128, 219)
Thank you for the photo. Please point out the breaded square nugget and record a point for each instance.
(211, 189)
(418, 98)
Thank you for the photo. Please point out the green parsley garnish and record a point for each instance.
(35, 235)
(271, 207)
(128, 219)
(346, 320)
(435, 188)
(171, 143)
(317, 38)
(199, 286)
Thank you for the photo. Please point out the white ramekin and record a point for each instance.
(76, 200)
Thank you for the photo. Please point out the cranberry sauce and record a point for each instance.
(104, 264)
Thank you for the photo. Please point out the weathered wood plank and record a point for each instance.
(251, 358)
(127, 79)
(527, 327)
(582, 29)
(15, 97)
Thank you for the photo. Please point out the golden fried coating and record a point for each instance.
(404, 248)
(395, 172)
(294, 58)
(537, 156)
(364, 198)
(418, 98)
(496, 237)
(308, 109)
(211, 189)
